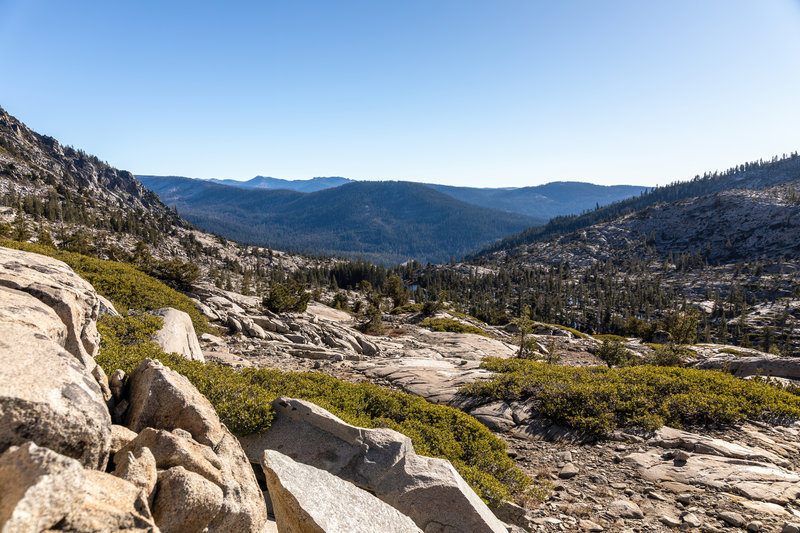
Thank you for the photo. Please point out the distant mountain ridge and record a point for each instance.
(539, 201)
(386, 222)
(266, 182)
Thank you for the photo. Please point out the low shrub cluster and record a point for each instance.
(453, 326)
(243, 400)
(597, 399)
(407, 308)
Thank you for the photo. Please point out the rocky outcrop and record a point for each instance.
(46, 395)
(42, 488)
(311, 500)
(71, 297)
(381, 461)
(161, 398)
(763, 365)
(177, 335)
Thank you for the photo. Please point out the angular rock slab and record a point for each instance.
(161, 398)
(39, 488)
(177, 335)
(754, 480)
(48, 397)
(311, 500)
(382, 461)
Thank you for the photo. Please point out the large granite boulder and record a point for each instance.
(54, 283)
(160, 398)
(46, 395)
(177, 335)
(310, 500)
(381, 461)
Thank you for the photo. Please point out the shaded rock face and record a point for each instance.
(177, 335)
(311, 500)
(47, 395)
(193, 437)
(381, 461)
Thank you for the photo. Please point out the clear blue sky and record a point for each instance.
(490, 93)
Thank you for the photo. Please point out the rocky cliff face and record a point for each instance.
(34, 164)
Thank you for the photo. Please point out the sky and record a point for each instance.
(494, 93)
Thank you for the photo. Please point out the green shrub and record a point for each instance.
(668, 355)
(598, 400)
(604, 338)
(408, 308)
(453, 326)
(123, 284)
(614, 353)
(285, 297)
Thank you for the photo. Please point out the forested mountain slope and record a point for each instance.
(753, 175)
(65, 185)
(382, 221)
(543, 201)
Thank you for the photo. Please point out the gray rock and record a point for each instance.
(234, 325)
(120, 437)
(588, 525)
(186, 501)
(108, 503)
(177, 335)
(790, 527)
(162, 398)
(497, 416)
(39, 488)
(755, 526)
(116, 384)
(139, 468)
(106, 307)
(381, 461)
(691, 519)
(308, 499)
(732, 519)
(625, 509)
(71, 297)
(670, 521)
(47, 396)
(661, 337)
(569, 471)
(170, 449)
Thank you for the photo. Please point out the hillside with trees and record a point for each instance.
(386, 222)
